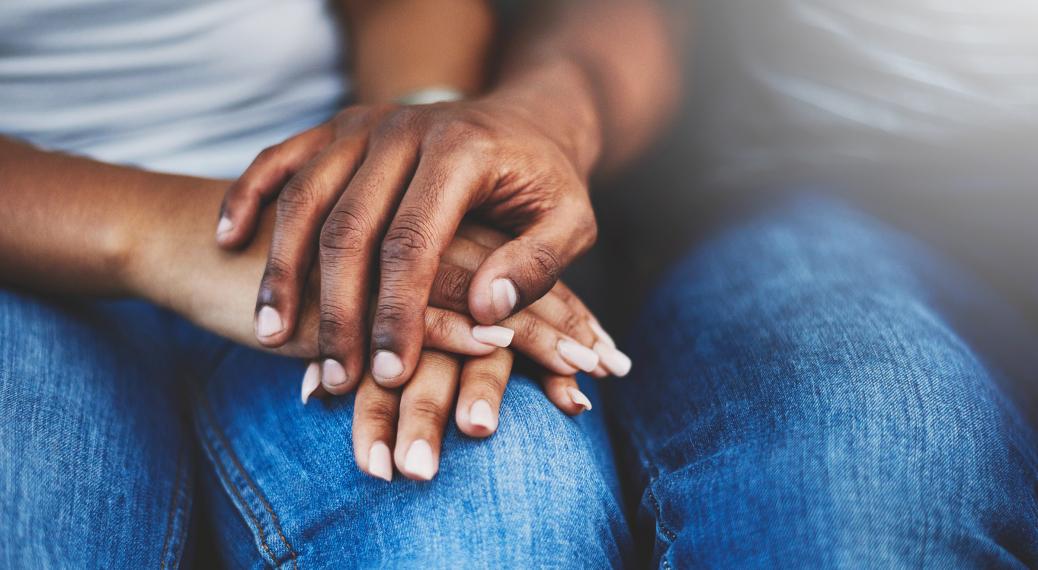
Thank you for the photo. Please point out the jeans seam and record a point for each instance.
(653, 475)
(181, 490)
(223, 471)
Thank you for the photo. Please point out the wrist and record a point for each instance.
(169, 239)
(559, 96)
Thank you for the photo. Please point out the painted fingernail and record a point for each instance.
(224, 227)
(386, 366)
(419, 460)
(579, 399)
(268, 322)
(380, 462)
(504, 296)
(311, 380)
(600, 332)
(578, 355)
(616, 362)
(493, 335)
(332, 373)
(482, 415)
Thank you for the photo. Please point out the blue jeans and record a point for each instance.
(812, 389)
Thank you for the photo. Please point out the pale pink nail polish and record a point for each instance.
(311, 380)
(419, 460)
(616, 362)
(224, 227)
(332, 373)
(493, 335)
(482, 415)
(386, 366)
(579, 399)
(600, 332)
(578, 355)
(504, 296)
(268, 322)
(380, 461)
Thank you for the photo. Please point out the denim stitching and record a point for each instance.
(179, 538)
(175, 500)
(653, 475)
(225, 444)
(221, 469)
(659, 516)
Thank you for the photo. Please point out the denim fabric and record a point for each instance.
(96, 460)
(806, 396)
(811, 389)
(536, 494)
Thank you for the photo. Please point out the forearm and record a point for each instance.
(399, 46)
(75, 226)
(604, 73)
(68, 223)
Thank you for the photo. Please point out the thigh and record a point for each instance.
(286, 491)
(807, 393)
(94, 458)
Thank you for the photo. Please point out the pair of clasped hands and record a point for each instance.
(418, 306)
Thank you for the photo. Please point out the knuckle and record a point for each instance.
(299, 195)
(428, 410)
(464, 140)
(439, 324)
(408, 239)
(572, 323)
(546, 262)
(452, 285)
(335, 326)
(346, 231)
(398, 122)
(389, 315)
(381, 412)
(487, 381)
(277, 271)
(529, 328)
(269, 154)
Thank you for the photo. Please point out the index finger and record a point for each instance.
(429, 214)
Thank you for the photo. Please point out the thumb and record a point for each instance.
(524, 269)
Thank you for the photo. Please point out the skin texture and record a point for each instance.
(126, 232)
(75, 226)
(379, 191)
(400, 46)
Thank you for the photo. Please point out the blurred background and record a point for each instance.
(924, 112)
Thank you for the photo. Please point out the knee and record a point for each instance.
(536, 490)
(803, 353)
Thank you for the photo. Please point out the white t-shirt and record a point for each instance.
(827, 84)
(186, 86)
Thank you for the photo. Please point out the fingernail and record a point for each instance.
(616, 362)
(419, 460)
(600, 332)
(386, 366)
(504, 297)
(311, 380)
(332, 373)
(224, 227)
(268, 322)
(493, 335)
(579, 399)
(578, 355)
(380, 462)
(482, 415)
